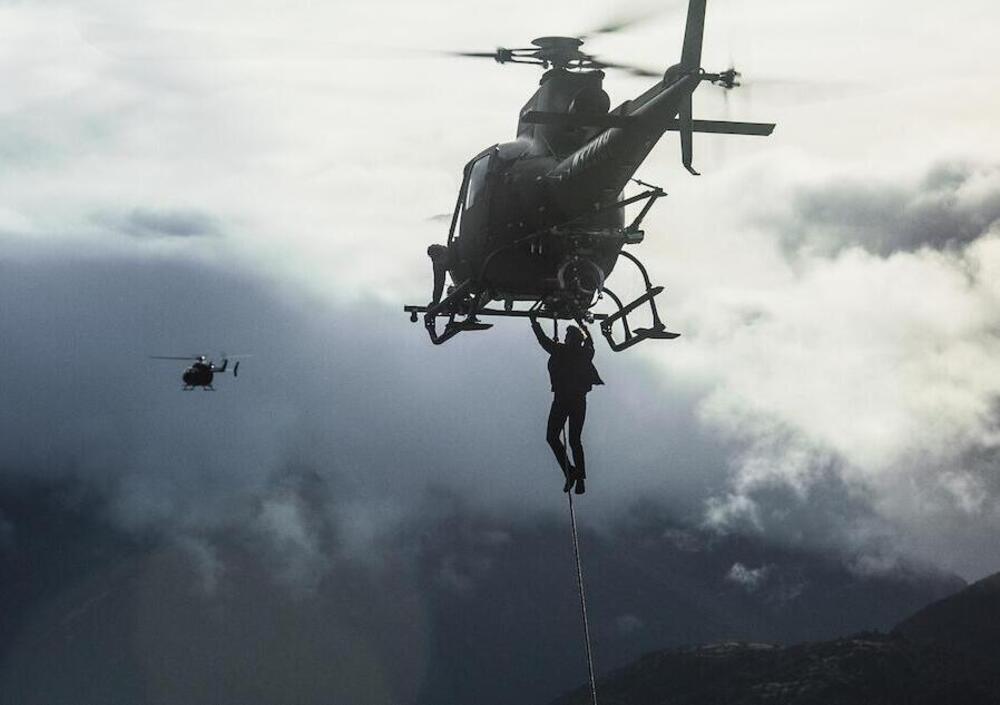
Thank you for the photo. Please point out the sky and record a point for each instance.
(185, 176)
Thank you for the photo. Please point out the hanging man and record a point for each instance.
(573, 375)
(440, 260)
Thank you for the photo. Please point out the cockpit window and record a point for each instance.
(477, 181)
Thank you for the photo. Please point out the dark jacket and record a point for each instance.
(571, 368)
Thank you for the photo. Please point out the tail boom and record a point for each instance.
(601, 168)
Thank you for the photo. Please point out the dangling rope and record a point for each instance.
(579, 582)
(576, 553)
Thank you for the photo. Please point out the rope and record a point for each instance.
(579, 584)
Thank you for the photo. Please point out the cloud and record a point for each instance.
(147, 223)
(750, 579)
(628, 624)
(293, 541)
(204, 556)
(355, 397)
(952, 205)
(860, 396)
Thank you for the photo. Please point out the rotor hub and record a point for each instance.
(560, 52)
(556, 52)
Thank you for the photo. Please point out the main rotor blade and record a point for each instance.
(628, 68)
(174, 357)
(619, 23)
(486, 54)
(474, 54)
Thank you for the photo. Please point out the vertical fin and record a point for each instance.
(693, 35)
(686, 132)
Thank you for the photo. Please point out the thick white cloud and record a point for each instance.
(880, 369)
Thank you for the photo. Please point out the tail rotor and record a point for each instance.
(236, 361)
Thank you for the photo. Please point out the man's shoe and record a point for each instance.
(570, 478)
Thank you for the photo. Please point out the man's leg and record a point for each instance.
(439, 274)
(439, 262)
(557, 417)
(577, 413)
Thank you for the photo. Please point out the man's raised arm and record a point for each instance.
(543, 340)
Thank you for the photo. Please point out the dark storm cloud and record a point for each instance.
(822, 510)
(354, 394)
(951, 206)
(151, 223)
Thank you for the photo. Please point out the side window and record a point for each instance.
(477, 181)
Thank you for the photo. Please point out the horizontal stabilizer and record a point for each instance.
(722, 127)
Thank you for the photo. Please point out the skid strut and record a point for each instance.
(450, 307)
(656, 331)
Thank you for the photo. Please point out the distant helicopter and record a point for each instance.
(541, 219)
(201, 372)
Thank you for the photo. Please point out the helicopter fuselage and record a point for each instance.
(199, 375)
(538, 215)
(541, 218)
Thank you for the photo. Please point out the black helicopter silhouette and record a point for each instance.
(201, 372)
(541, 219)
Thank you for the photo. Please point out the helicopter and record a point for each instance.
(541, 219)
(201, 372)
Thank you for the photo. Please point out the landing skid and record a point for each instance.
(453, 328)
(657, 331)
(463, 311)
(466, 303)
(457, 303)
